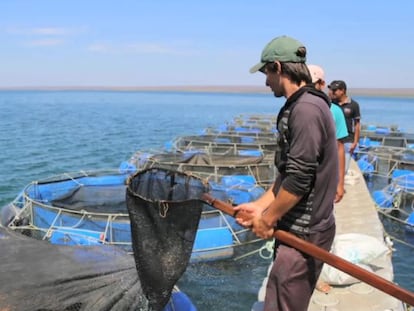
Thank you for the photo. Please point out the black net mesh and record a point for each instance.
(165, 209)
(38, 276)
(102, 199)
(201, 158)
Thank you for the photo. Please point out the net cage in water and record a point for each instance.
(89, 208)
(211, 165)
(78, 208)
(215, 143)
(165, 208)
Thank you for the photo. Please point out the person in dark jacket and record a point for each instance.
(302, 196)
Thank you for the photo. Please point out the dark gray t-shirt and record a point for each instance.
(307, 161)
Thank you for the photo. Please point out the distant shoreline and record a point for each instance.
(242, 89)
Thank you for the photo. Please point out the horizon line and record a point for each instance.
(398, 92)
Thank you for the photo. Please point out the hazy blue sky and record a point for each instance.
(205, 42)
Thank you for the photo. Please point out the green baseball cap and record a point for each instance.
(283, 49)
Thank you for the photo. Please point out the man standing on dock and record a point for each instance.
(337, 93)
(301, 199)
(318, 80)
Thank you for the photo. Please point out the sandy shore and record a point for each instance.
(380, 92)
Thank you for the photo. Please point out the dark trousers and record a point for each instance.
(294, 274)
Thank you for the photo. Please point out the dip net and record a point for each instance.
(165, 209)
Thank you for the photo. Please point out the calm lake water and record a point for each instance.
(46, 133)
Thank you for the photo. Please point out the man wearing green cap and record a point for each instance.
(301, 199)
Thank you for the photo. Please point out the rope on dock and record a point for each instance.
(267, 247)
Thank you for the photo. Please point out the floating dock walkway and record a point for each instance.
(356, 213)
